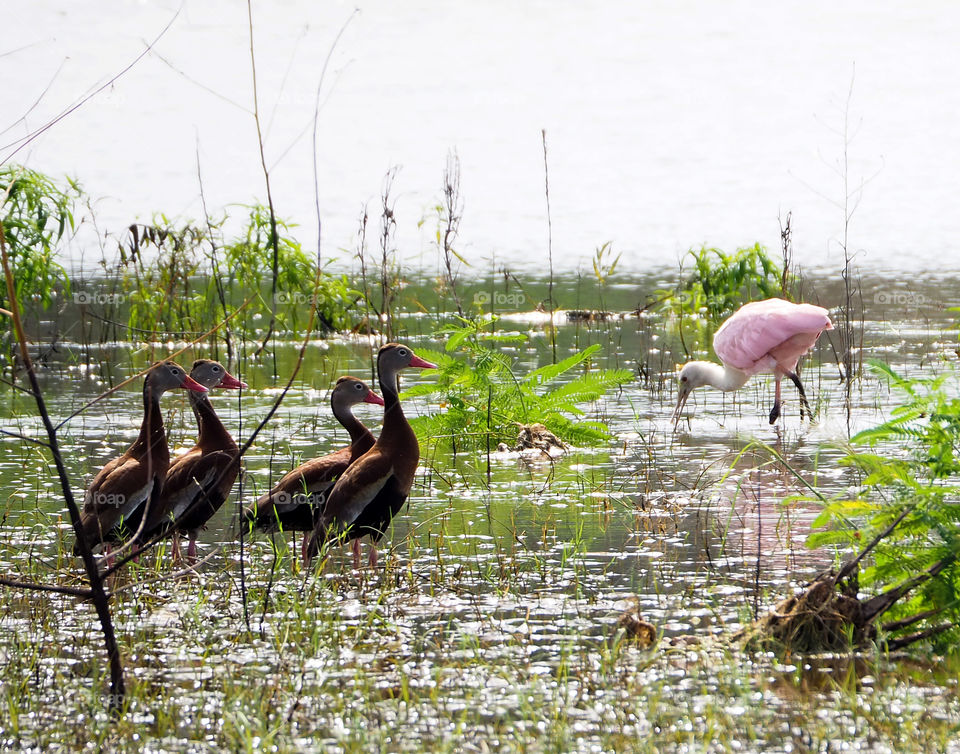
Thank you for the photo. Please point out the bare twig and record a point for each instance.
(73, 591)
(274, 240)
(451, 213)
(97, 594)
(24, 141)
(316, 119)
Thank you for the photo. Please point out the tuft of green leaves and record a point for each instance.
(484, 399)
(249, 261)
(719, 283)
(36, 214)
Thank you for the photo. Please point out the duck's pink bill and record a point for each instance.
(372, 397)
(191, 384)
(416, 361)
(229, 381)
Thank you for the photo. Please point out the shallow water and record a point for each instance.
(490, 622)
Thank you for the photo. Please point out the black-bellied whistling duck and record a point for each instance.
(119, 494)
(295, 502)
(199, 481)
(372, 491)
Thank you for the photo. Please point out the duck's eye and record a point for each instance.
(216, 369)
(402, 352)
(175, 372)
(358, 386)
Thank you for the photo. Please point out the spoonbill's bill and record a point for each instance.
(762, 337)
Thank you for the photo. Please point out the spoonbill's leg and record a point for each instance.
(356, 553)
(795, 378)
(775, 411)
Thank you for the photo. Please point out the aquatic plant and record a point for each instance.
(37, 212)
(486, 402)
(191, 278)
(449, 214)
(909, 495)
(719, 283)
(160, 263)
(249, 261)
(604, 265)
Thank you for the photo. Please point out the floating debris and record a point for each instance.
(538, 437)
(635, 628)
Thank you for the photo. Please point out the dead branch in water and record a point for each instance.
(829, 616)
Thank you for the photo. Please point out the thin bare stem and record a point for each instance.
(274, 238)
(316, 120)
(546, 186)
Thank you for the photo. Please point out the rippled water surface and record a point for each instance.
(491, 621)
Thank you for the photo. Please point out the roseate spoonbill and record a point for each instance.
(295, 502)
(199, 481)
(373, 490)
(760, 337)
(123, 490)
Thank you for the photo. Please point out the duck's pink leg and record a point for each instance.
(356, 553)
(373, 554)
(175, 548)
(192, 549)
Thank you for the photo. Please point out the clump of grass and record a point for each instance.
(183, 278)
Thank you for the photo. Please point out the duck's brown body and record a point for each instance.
(296, 501)
(374, 488)
(199, 481)
(123, 491)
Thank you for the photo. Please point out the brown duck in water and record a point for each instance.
(295, 502)
(121, 493)
(374, 488)
(199, 481)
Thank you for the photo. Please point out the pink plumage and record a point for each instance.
(764, 335)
